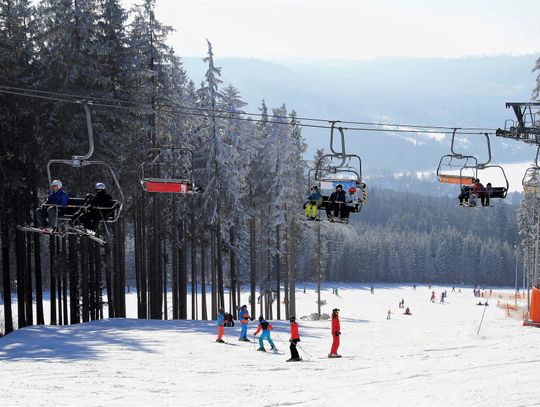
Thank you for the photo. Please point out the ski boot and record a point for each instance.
(261, 350)
(333, 355)
(220, 341)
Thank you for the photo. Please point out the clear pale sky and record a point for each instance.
(352, 29)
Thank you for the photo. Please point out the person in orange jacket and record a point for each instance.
(295, 338)
(221, 329)
(335, 334)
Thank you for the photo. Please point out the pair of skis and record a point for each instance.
(68, 230)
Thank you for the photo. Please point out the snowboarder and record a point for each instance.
(220, 329)
(388, 314)
(407, 311)
(243, 316)
(266, 328)
(47, 216)
(335, 334)
(295, 338)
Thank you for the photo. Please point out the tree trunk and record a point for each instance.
(38, 278)
(232, 292)
(204, 311)
(52, 272)
(253, 266)
(6, 275)
(278, 274)
(193, 256)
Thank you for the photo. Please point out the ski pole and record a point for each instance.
(483, 313)
(303, 350)
(281, 339)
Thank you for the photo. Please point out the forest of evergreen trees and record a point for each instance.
(245, 229)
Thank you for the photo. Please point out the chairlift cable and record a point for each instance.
(207, 112)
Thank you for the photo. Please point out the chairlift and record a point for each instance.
(338, 168)
(531, 178)
(171, 171)
(461, 169)
(108, 214)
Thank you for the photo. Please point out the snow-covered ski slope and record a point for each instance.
(433, 357)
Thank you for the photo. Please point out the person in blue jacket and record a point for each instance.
(221, 328)
(266, 328)
(243, 316)
(47, 216)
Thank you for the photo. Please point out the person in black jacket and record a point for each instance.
(90, 217)
(337, 206)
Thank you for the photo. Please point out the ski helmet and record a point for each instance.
(352, 190)
(292, 319)
(56, 182)
(99, 186)
(221, 310)
(315, 187)
(339, 186)
(244, 306)
(335, 310)
(261, 318)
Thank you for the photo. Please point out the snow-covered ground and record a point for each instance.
(433, 357)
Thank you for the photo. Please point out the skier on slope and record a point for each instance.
(335, 334)
(220, 329)
(295, 338)
(266, 328)
(243, 316)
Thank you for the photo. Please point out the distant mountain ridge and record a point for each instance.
(469, 91)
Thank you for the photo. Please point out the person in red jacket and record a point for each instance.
(335, 334)
(295, 338)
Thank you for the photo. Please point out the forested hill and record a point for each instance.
(411, 237)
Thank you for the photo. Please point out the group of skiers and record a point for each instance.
(265, 329)
(88, 217)
(340, 203)
(470, 193)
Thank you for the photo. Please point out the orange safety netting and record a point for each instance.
(167, 187)
(534, 313)
(455, 179)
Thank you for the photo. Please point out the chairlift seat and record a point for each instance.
(498, 192)
(75, 204)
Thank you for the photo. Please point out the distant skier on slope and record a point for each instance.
(336, 332)
(220, 329)
(266, 328)
(295, 338)
(432, 296)
(407, 311)
(243, 316)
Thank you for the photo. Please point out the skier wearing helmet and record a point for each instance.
(295, 338)
(265, 327)
(220, 321)
(337, 204)
(89, 217)
(47, 215)
(351, 200)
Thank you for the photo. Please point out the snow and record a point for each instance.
(433, 356)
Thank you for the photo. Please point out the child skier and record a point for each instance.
(243, 316)
(295, 338)
(266, 328)
(220, 328)
(388, 314)
(335, 334)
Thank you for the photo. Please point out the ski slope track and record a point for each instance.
(432, 357)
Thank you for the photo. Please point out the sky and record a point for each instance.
(351, 29)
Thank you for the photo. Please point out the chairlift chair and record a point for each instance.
(108, 214)
(172, 177)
